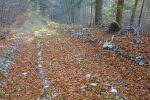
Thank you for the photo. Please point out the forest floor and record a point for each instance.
(77, 68)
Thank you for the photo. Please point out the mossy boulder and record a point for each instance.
(114, 27)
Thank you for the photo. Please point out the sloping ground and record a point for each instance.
(67, 60)
(137, 77)
(66, 64)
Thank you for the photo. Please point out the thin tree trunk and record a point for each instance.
(72, 12)
(2, 13)
(98, 11)
(133, 12)
(139, 21)
(68, 11)
(119, 11)
(91, 18)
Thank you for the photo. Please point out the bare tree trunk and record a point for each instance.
(133, 12)
(2, 13)
(119, 11)
(98, 11)
(140, 16)
(91, 17)
(72, 11)
(69, 11)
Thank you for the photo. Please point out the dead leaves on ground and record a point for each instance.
(67, 60)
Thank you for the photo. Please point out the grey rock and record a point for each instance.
(139, 60)
(108, 45)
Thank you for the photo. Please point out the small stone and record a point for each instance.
(139, 60)
(79, 34)
(24, 74)
(141, 63)
(93, 84)
(44, 98)
(113, 90)
(83, 88)
(46, 84)
(37, 98)
(108, 45)
(88, 76)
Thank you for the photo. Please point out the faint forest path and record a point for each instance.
(23, 77)
(66, 61)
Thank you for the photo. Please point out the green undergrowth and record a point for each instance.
(54, 25)
(2, 91)
(42, 26)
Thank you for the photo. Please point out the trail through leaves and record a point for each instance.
(67, 60)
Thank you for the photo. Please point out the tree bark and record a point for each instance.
(140, 16)
(133, 12)
(72, 12)
(98, 11)
(120, 6)
(91, 16)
